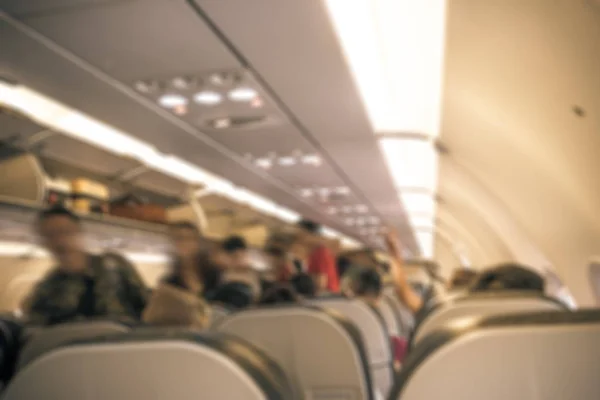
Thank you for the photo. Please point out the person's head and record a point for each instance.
(368, 285)
(236, 295)
(304, 285)
(60, 232)
(309, 233)
(237, 250)
(343, 265)
(508, 277)
(277, 257)
(461, 278)
(185, 238)
(279, 294)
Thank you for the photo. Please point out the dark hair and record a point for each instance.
(234, 243)
(304, 285)
(185, 225)
(57, 211)
(343, 265)
(462, 278)
(236, 295)
(368, 282)
(310, 226)
(275, 251)
(279, 294)
(509, 277)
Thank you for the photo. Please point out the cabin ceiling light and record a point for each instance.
(306, 192)
(425, 239)
(395, 50)
(264, 163)
(342, 190)
(412, 162)
(181, 83)
(208, 97)
(286, 161)
(172, 100)
(311, 159)
(221, 123)
(242, 94)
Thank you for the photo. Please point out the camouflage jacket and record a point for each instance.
(108, 288)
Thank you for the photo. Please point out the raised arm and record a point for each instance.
(404, 290)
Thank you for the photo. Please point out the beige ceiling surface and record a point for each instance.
(515, 70)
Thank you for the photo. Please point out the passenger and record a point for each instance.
(368, 287)
(279, 294)
(237, 250)
(192, 268)
(280, 264)
(81, 285)
(509, 277)
(234, 295)
(321, 262)
(461, 278)
(304, 285)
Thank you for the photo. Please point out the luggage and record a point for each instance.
(133, 207)
(89, 196)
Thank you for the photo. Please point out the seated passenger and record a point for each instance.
(461, 278)
(81, 285)
(279, 294)
(280, 265)
(509, 277)
(237, 251)
(304, 285)
(234, 295)
(178, 299)
(368, 287)
(321, 261)
(192, 268)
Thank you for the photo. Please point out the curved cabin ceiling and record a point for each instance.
(520, 116)
(515, 70)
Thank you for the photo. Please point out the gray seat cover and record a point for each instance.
(151, 366)
(539, 356)
(321, 352)
(479, 305)
(375, 337)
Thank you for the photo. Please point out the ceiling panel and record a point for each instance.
(137, 39)
(295, 51)
(22, 7)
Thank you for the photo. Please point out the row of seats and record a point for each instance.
(494, 345)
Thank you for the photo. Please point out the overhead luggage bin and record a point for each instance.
(46, 338)
(321, 352)
(374, 334)
(437, 315)
(543, 355)
(153, 366)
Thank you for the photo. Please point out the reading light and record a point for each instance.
(342, 190)
(264, 163)
(208, 98)
(306, 192)
(311, 159)
(361, 208)
(287, 161)
(56, 116)
(221, 123)
(172, 100)
(242, 94)
(180, 83)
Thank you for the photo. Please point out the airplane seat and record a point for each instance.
(11, 339)
(321, 351)
(550, 355)
(150, 364)
(437, 314)
(374, 334)
(406, 318)
(218, 313)
(389, 316)
(42, 339)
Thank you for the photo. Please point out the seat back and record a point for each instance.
(218, 313)
(480, 305)
(374, 335)
(321, 352)
(152, 365)
(43, 339)
(391, 320)
(11, 335)
(406, 318)
(547, 355)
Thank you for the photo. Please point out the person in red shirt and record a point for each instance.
(321, 261)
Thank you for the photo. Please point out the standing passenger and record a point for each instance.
(81, 285)
(321, 262)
